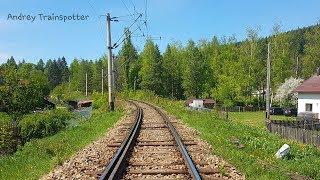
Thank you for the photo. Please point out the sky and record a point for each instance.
(172, 20)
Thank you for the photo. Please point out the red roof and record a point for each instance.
(311, 85)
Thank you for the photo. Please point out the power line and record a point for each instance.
(134, 7)
(92, 8)
(146, 16)
(126, 7)
(136, 13)
(133, 14)
(115, 44)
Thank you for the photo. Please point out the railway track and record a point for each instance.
(153, 149)
(153, 152)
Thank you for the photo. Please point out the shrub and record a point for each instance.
(61, 93)
(7, 141)
(100, 101)
(43, 124)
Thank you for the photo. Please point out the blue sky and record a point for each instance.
(173, 20)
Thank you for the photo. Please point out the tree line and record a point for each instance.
(23, 86)
(229, 71)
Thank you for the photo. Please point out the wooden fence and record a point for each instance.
(305, 132)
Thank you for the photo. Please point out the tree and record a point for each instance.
(311, 60)
(128, 64)
(11, 63)
(63, 69)
(54, 74)
(152, 68)
(230, 78)
(40, 65)
(173, 72)
(281, 65)
(284, 95)
(96, 75)
(196, 71)
(75, 75)
(23, 89)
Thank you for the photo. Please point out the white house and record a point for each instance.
(309, 96)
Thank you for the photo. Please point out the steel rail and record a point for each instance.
(115, 168)
(183, 150)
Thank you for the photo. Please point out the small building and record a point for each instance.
(84, 103)
(309, 96)
(200, 103)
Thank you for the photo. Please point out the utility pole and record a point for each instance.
(86, 85)
(297, 68)
(113, 72)
(268, 86)
(110, 88)
(102, 81)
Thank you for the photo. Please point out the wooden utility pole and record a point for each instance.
(86, 85)
(268, 85)
(110, 88)
(102, 81)
(113, 73)
(297, 68)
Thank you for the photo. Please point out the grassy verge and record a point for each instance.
(39, 156)
(256, 159)
(255, 119)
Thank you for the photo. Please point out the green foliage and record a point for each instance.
(22, 89)
(78, 71)
(100, 101)
(173, 72)
(7, 141)
(311, 59)
(57, 71)
(152, 68)
(63, 93)
(128, 65)
(196, 72)
(40, 156)
(43, 124)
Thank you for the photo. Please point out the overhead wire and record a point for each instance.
(133, 14)
(130, 32)
(115, 44)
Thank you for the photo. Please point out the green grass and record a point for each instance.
(256, 160)
(39, 156)
(255, 119)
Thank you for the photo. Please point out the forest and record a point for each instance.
(229, 71)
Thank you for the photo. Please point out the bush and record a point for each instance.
(43, 124)
(7, 141)
(100, 101)
(61, 93)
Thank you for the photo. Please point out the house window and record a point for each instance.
(309, 107)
